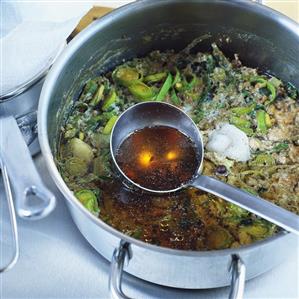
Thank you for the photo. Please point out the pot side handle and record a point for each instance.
(116, 270)
(120, 254)
(33, 200)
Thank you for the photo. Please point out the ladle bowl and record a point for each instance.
(151, 114)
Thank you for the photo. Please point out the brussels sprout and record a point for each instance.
(80, 149)
(155, 77)
(218, 238)
(89, 200)
(75, 166)
(141, 91)
(110, 100)
(257, 230)
(108, 128)
(126, 76)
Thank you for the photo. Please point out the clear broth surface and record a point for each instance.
(158, 158)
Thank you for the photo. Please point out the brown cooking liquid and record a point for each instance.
(158, 158)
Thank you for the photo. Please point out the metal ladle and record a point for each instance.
(150, 114)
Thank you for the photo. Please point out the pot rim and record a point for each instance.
(45, 97)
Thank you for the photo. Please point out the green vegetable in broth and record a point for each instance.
(213, 90)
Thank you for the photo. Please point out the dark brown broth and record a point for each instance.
(158, 158)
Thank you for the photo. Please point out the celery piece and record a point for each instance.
(110, 100)
(98, 96)
(243, 110)
(108, 127)
(165, 88)
(175, 99)
(261, 121)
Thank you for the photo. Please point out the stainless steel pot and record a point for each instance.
(262, 37)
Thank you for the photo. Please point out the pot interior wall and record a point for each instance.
(261, 38)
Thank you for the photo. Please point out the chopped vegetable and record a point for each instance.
(272, 90)
(108, 128)
(89, 90)
(177, 78)
(80, 149)
(165, 88)
(269, 85)
(126, 76)
(155, 78)
(90, 87)
(218, 238)
(280, 147)
(261, 121)
(75, 166)
(262, 81)
(257, 230)
(240, 122)
(219, 74)
(229, 102)
(81, 136)
(268, 120)
(101, 166)
(89, 200)
(263, 160)
(98, 96)
(191, 83)
(174, 98)
(243, 110)
(141, 91)
(109, 101)
(70, 133)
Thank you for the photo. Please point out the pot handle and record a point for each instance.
(120, 254)
(116, 270)
(238, 270)
(33, 200)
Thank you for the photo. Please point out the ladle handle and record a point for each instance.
(249, 202)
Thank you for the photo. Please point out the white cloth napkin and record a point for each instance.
(31, 34)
